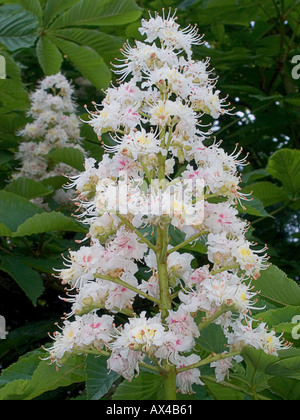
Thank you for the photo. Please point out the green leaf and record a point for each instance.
(13, 97)
(87, 61)
(222, 393)
(212, 339)
(146, 386)
(18, 27)
(218, 31)
(275, 287)
(23, 369)
(5, 157)
(49, 56)
(19, 217)
(267, 192)
(185, 4)
(21, 339)
(55, 7)
(99, 12)
(98, 379)
(48, 222)
(257, 362)
(274, 317)
(33, 6)
(68, 155)
(45, 378)
(288, 368)
(14, 390)
(229, 12)
(287, 388)
(257, 359)
(27, 279)
(55, 182)
(28, 188)
(15, 210)
(284, 165)
(107, 46)
(253, 206)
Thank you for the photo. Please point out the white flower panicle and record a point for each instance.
(149, 124)
(55, 126)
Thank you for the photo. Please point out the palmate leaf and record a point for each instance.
(23, 369)
(33, 6)
(19, 217)
(55, 7)
(18, 27)
(30, 383)
(146, 386)
(68, 155)
(48, 222)
(90, 64)
(15, 210)
(49, 56)
(284, 165)
(28, 188)
(98, 379)
(274, 286)
(99, 12)
(267, 192)
(286, 388)
(14, 96)
(26, 278)
(106, 45)
(222, 393)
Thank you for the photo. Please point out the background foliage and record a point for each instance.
(251, 44)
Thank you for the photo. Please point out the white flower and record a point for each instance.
(222, 368)
(55, 125)
(183, 323)
(222, 217)
(258, 337)
(125, 366)
(170, 33)
(82, 265)
(138, 143)
(249, 260)
(185, 380)
(88, 331)
(151, 286)
(140, 333)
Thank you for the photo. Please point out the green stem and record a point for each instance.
(165, 304)
(151, 367)
(128, 286)
(145, 169)
(207, 321)
(227, 267)
(183, 244)
(136, 231)
(234, 387)
(142, 364)
(272, 213)
(170, 384)
(163, 276)
(208, 360)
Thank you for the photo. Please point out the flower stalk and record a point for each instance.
(154, 120)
